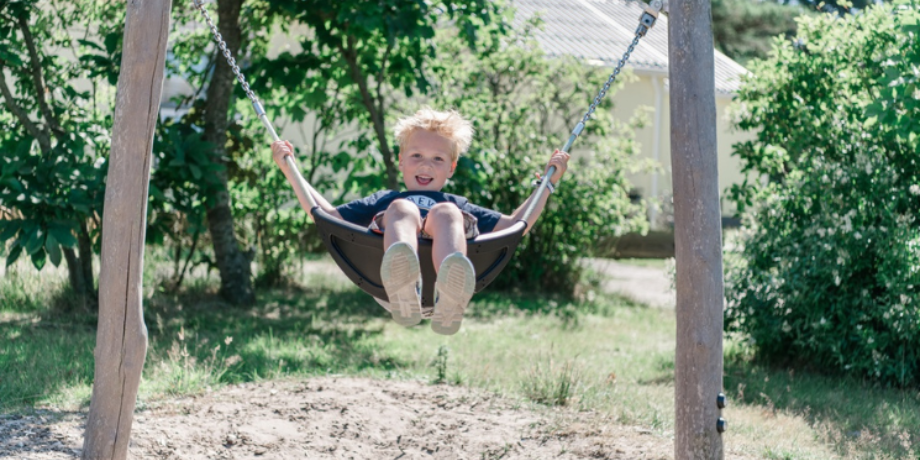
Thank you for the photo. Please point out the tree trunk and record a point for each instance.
(697, 231)
(80, 269)
(74, 271)
(121, 337)
(233, 265)
(85, 248)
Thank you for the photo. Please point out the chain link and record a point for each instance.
(613, 77)
(223, 47)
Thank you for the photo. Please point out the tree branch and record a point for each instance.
(383, 71)
(351, 57)
(37, 77)
(43, 141)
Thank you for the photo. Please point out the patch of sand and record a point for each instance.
(343, 418)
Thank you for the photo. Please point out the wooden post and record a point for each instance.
(697, 231)
(121, 339)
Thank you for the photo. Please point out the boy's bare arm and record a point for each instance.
(280, 149)
(560, 160)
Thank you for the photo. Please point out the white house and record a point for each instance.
(600, 31)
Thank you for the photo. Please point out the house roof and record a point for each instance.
(601, 30)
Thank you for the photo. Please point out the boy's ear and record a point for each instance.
(453, 167)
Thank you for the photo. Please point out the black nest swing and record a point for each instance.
(358, 251)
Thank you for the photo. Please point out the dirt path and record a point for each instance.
(647, 285)
(342, 418)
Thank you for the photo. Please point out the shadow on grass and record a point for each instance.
(849, 414)
(491, 304)
(41, 355)
(291, 331)
(197, 340)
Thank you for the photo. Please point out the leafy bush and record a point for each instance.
(744, 30)
(828, 268)
(54, 130)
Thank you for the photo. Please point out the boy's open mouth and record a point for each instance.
(423, 180)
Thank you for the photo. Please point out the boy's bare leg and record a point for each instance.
(399, 270)
(445, 225)
(456, 275)
(402, 222)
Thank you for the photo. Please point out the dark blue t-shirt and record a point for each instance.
(361, 212)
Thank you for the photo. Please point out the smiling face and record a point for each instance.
(425, 161)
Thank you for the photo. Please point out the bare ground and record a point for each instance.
(355, 418)
(342, 418)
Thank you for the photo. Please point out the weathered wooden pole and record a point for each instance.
(697, 231)
(121, 339)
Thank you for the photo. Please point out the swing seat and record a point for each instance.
(359, 251)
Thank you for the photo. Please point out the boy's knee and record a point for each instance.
(445, 211)
(402, 210)
(403, 207)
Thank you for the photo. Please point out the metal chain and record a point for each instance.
(223, 47)
(646, 22)
(613, 77)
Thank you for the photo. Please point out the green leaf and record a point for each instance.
(111, 41)
(196, 171)
(12, 59)
(874, 109)
(90, 44)
(14, 185)
(38, 259)
(15, 252)
(53, 249)
(34, 240)
(9, 228)
(62, 233)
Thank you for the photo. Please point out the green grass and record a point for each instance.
(608, 357)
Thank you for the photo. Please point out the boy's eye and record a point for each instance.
(416, 155)
(438, 158)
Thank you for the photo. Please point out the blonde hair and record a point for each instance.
(450, 124)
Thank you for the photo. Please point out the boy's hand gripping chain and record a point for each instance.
(646, 22)
(199, 4)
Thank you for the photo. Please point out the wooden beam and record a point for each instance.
(697, 231)
(121, 338)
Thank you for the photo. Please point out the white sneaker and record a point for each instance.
(453, 291)
(402, 279)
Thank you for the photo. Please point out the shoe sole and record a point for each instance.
(455, 286)
(399, 272)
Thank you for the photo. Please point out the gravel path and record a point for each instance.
(647, 285)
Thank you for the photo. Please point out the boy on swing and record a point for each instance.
(430, 142)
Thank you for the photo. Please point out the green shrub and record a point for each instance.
(827, 271)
